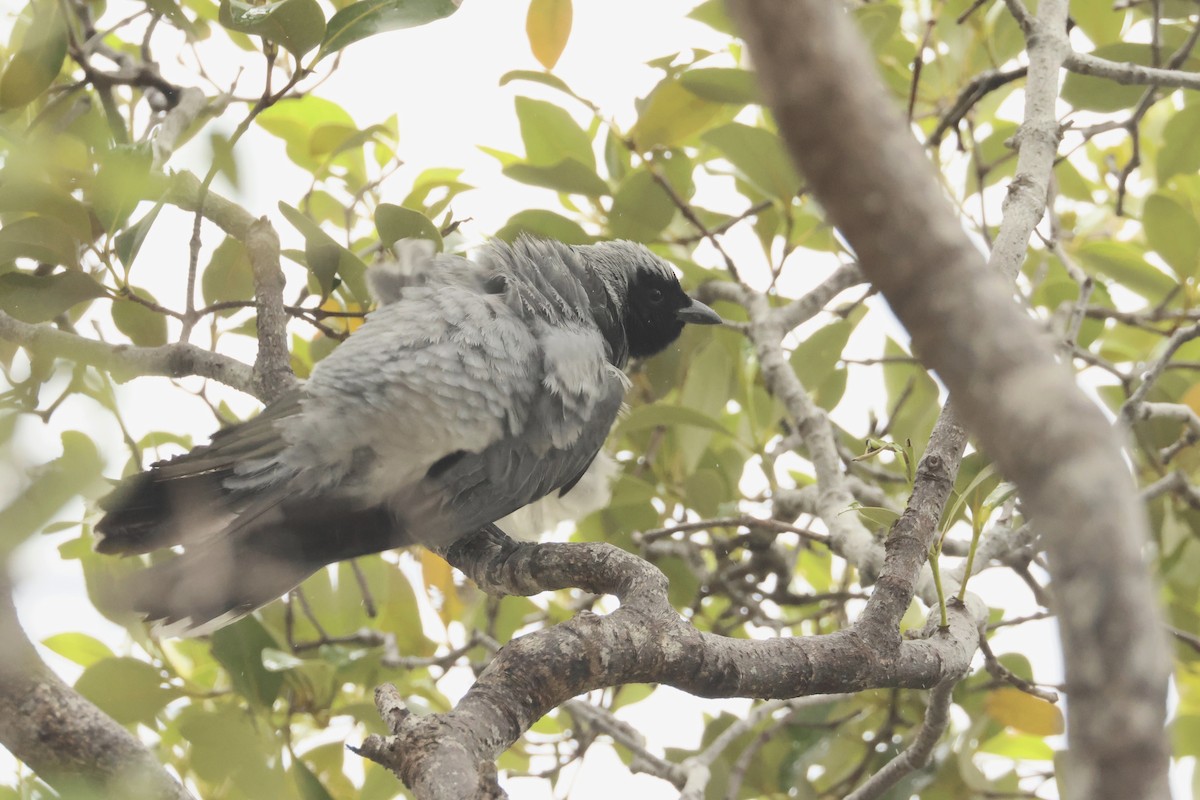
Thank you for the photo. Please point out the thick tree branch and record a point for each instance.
(451, 755)
(872, 177)
(272, 367)
(67, 741)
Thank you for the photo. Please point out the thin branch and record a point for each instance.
(176, 360)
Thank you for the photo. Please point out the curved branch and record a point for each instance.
(452, 755)
(66, 740)
(843, 129)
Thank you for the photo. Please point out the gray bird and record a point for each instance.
(481, 388)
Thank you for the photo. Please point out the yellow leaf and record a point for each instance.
(439, 576)
(1191, 398)
(1024, 712)
(548, 26)
(670, 115)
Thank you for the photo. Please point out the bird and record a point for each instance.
(473, 389)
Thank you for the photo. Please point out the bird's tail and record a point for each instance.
(241, 550)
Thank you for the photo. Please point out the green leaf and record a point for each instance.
(129, 241)
(551, 134)
(36, 63)
(544, 224)
(297, 123)
(661, 414)
(548, 25)
(712, 13)
(670, 114)
(1173, 232)
(640, 208)
(43, 239)
(759, 155)
(239, 647)
(1019, 747)
(1125, 264)
(144, 326)
(228, 275)
(121, 182)
(1088, 93)
(53, 485)
(37, 298)
(1179, 153)
(721, 85)
(19, 195)
(396, 222)
(1100, 21)
(567, 176)
(126, 689)
(545, 79)
(307, 783)
(84, 650)
(369, 17)
(326, 258)
(295, 25)
(226, 746)
(878, 22)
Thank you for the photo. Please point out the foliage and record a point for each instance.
(261, 709)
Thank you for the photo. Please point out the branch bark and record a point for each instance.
(127, 361)
(452, 755)
(67, 741)
(863, 164)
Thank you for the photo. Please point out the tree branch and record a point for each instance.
(872, 177)
(451, 755)
(66, 740)
(127, 361)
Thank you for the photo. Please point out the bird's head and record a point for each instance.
(655, 307)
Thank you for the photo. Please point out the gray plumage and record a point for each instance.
(472, 390)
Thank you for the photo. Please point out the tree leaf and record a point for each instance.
(38, 298)
(551, 135)
(1179, 153)
(126, 689)
(567, 176)
(239, 648)
(122, 181)
(228, 275)
(1125, 264)
(20, 195)
(326, 259)
(548, 25)
(1173, 232)
(44, 239)
(396, 222)
(129, 241)
(84, 650)
(144, 326)
(547, 224)
(712, 13)
(1023, 711)
(545, 79)
(640, 208)
(1100, 21)
(670, 114)
(369, 17)
(721, 85)
(295, 25)
(759, 155)
(36, 64)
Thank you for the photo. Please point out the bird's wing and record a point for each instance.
(578, 397)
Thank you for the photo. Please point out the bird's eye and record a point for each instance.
(654, 296)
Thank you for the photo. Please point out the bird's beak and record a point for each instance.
(698, 314)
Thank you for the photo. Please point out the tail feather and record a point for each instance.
(150, 511)
(266, 552)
